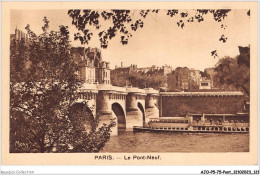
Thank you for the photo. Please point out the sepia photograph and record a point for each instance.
(142, 82)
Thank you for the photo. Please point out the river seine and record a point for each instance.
(130, 142)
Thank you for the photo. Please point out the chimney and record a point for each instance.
(16, 34)
(19, 34)
(26, 37)
(103, 64)
(107, 65)
(121, 64)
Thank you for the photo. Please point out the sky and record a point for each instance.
(159, 42)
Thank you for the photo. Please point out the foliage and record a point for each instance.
(235, 72)
(172, 82)
(43, 90)
(143, 80)
(139, 79)
(122, 22)
(88, 137)
(181, 79)
(119, 80)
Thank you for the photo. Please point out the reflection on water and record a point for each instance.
(128, 141)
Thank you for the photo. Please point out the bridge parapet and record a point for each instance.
(119, 89)
(116, 89)
(218, 94)
(89, 87)
(151, 91)
(135, 90)
(87, 92)
(138, 104)
(104, 86)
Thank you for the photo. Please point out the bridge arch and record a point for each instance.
(120, 114)
(140, 106)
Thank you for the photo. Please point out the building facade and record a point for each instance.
(103, 73)
(93, 70)
(18, 36)
(126, 76)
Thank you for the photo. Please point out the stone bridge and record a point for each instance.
(129, 106)
(134, 107)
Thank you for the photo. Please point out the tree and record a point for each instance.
(87, 136)
(43, 91)
(235, 72)
(122, 22)
(193, 85)
(172, 82)
(139, 79)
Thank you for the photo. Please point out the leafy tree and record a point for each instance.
(182, 78)
(172, 82)
(139, 79)
(123, 22)
(193, 85)
(87, 136)
(235, 72)
(119, 80)
(43, 94)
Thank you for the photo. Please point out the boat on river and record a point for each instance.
(187, 125)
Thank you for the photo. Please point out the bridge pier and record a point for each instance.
(133, 109)
(151, 110)
(134, 116)
(104, 110)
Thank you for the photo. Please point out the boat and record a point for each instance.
(187, 125)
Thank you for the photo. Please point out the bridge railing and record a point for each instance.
(213, 123)
(135, 90)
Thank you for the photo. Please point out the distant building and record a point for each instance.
(182, 77)
(87, 69)
(103, 73)
(144, 70)
(122, 75)
(125, 70)
(18, 36)
(166, 69)
(92, 68)
(195, 76)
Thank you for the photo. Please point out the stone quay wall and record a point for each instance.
(182, 103)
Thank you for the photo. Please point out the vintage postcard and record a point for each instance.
(129, 83)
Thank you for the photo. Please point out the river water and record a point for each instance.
(130, 142)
